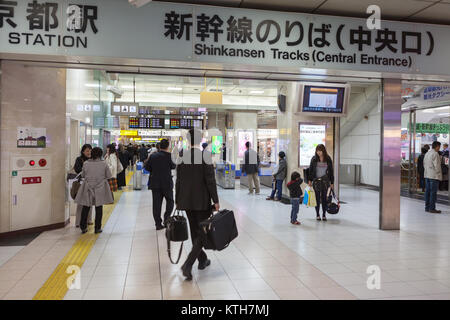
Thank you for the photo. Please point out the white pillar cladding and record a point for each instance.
(33, 97)
(390, 155)
(288, 126)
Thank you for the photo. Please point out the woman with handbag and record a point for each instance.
(321, 177)
(95, 190)
(114, 165)
(78, 167)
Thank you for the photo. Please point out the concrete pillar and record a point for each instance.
(33, 97)
(390, 155)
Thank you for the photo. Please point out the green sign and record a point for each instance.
(432, 128)
(14, 173)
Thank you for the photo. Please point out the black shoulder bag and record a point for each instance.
(176, 231)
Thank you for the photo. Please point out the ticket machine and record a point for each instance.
(31, 186)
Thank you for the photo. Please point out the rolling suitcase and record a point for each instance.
(219, 230)
(137, 177)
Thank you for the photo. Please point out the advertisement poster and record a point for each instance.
(31, 137)
(310, 136)
(244, 136)
(216, 144)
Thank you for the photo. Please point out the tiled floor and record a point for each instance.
(271, 259)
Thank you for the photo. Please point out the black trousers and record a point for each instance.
(158, 196)
(197, 252)
(321, 198)
(98, 217)
(121, 182)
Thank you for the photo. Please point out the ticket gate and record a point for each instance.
(225, 175)
(31, 187)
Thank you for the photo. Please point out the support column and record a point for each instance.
(390, 155)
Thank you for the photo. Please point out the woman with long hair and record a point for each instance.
(321, 177)
(85, 155)
(112, 161)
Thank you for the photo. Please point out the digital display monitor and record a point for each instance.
(216, 144)
(174, 123)
(311, 135)
(323, 99)
(146, 123)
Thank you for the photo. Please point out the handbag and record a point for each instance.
(113, 184)
(332, 206)
(176, 231)
(219, 230)
(312, 199)
(306, 196)
(119, 165)
(75, 186)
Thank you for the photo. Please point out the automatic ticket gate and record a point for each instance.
(31, 187)
(225, 175)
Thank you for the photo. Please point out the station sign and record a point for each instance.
(219, 35)
(440, 128)
(129, 133)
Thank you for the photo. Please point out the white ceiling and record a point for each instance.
(427, 11)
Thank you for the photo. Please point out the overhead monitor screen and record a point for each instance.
(323, 99)
(174, 123)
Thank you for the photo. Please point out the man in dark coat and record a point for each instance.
(161, 183)
(195, 191)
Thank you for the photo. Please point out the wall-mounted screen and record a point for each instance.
(146, 123)
(216, 144)
(323, 99)
(310, 136)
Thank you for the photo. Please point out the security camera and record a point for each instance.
(115, 91)
(138, 3)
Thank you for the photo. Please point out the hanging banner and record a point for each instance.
(92, 29)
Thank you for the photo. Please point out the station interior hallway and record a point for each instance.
(271, 259)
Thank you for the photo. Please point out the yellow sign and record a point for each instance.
(132, 133)
(210, 97)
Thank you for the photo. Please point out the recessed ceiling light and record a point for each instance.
(256, 92)
(174, 89)
(93, 85)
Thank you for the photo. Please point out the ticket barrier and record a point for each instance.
(225, 175)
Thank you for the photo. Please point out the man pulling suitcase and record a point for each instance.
(195, 190)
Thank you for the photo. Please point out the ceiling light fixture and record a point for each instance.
(256, 92)
(93, 85)
(174, 89)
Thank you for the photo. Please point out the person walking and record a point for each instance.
(432, 174)
(95, 190)
(278, 177)
(78, 167)
(295, 192)
(124, 160)
(321, 177)
(142, 153)
(421, 169)
(195, 190)
(161, 183)
(251, 165)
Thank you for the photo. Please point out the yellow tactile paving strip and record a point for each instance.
(55, 288)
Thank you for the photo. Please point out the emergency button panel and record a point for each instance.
(30, 162)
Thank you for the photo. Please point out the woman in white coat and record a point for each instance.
(114, 165)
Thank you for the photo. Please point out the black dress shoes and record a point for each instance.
(98, 231)
(187, 273)
(84, 231)
(160, 227)
(203, 265)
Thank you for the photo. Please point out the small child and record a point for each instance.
(295, 192)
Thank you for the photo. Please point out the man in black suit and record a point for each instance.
(161, 182)
(195, 189)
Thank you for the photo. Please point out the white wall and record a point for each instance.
(362, 146)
